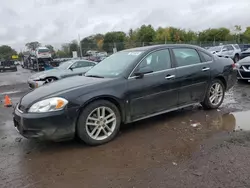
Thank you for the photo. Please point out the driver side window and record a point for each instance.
(157, 61)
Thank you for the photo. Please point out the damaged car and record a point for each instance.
(64, 70)
(128, 86)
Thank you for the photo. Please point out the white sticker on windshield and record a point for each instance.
(134, 53)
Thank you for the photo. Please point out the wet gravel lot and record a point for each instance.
(185, 148)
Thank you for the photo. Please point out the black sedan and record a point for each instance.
(243, 67)
(128, 86)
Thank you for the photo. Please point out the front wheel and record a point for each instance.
(49, 80)
(214, 95)
(98, 123)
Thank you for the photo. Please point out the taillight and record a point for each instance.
(233, 65)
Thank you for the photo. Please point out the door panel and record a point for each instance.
(192, 75)
(193, 81)
(151, 94)
(230, 51)
(224, 51)
(156, 91)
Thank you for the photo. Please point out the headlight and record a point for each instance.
(49, 105)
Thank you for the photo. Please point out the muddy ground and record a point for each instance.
(187, 148)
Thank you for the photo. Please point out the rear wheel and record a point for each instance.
(214, 95)
(236, 58)
(98, 123)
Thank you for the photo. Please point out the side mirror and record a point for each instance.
(145, 70)
(224, 50)
(70, 68)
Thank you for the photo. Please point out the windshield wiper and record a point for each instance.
(94, 76)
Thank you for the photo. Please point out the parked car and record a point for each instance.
(244, 47)
(243, 67)
(42, 52)
(127, 86)
(7, 65)
(64, 70)
(232, 51)
(245, 53)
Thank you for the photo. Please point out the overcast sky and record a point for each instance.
(59, 21)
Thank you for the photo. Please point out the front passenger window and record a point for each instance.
(157, 61)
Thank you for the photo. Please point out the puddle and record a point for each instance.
(237, 121)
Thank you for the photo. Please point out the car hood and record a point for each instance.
(43, 74)
(244, 61)
(60, 87)
(246, 51)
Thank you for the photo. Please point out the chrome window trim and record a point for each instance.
(201, 63)
(165, 70)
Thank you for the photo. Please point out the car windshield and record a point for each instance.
(43, 50)
(114, 65)
(65, 65)
(215, 49)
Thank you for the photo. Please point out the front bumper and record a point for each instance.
(243, 74)
(55, 126)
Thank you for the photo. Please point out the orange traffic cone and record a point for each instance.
(7, 101)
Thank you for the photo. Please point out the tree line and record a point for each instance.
(147, 35)
(142, 36)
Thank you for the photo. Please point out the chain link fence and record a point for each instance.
(109, 47)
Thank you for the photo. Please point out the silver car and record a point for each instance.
(64, 70)
(232, 51)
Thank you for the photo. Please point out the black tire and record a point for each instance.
(206, 103)
(50, 78)
(81, 130)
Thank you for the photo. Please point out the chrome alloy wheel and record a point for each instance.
(216, 94)
(101, 123)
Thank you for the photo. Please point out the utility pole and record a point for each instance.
(80, 45)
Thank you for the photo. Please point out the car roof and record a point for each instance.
(74, 60)
(155, 47)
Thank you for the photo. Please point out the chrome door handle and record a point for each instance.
(170, 77)
(205, 69)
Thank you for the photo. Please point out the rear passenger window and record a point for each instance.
(186, 56)
(206, 57)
